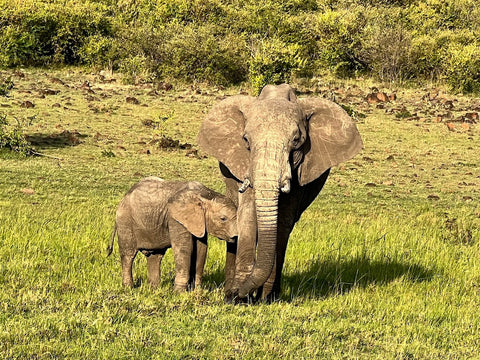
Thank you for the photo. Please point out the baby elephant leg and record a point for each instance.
(154, 270)
(127, 264)
(197, 263)
(182, 253)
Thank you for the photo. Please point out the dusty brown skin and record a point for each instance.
(156, 214)
(275, 153)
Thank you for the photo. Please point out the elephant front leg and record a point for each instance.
(197, 263)
(182, 246)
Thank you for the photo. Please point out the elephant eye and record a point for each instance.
(296, 141)
(223, 218)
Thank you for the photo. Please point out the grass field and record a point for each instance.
(384, 264)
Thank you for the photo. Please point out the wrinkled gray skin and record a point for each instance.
(281, 149)
(156, 214)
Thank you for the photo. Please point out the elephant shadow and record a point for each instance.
(332, 277)
(324, 278)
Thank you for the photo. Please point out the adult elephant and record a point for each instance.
(275, 153)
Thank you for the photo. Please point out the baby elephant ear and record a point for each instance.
(188, 210)
(333, 138)
(221, 134)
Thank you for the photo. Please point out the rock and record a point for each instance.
(132, 100)
(28, 191)
(27, 104)
(377, 97)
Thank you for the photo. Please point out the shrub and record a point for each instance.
(386, 44)
(337, 35)
(41, 33)
(13, 138)
(273, 62)
(463, 67)
(189, 53)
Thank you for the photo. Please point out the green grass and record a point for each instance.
(384, 264)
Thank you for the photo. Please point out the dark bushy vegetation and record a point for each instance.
(230, 41)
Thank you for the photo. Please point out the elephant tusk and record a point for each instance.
(286, 187)
(245, 185)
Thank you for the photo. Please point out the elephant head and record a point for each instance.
(267, 140)
(202, 210)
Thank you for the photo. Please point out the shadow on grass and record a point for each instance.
(64, 139)
(324, 278)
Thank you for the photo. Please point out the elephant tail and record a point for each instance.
(110, 247)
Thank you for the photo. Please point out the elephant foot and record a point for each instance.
(270, 298)
(180, 288)
(232, 298)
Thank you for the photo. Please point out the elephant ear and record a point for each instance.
(221, 134)
(187, 209)
(333, 138)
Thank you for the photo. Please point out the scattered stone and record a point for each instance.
(472, 117)
(56, 80)
(377, 97)
(132, 100)
(27, 104)
(450, 126)
(86, 85)
(433, 197)
(49, 92)
(166, 142)
(28, 191)
(164, 86)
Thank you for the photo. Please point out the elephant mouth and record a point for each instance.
(232, 240)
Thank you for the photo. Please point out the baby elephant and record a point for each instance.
(156, 214)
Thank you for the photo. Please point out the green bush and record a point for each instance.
(273, 62)
(13, 138)
(337, 35)
(42, 33)
(386, 44)
(231, 41)
(186, 52)
(463, 67)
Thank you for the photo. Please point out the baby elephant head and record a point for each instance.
(203, 210)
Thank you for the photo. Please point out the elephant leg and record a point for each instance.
(197, 263)
(291, 207)
(230, 270)
(127, 265)
(154, 269)
(271, 288)
(182, 253)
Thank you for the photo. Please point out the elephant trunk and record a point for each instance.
(270, 174)
(266, 202)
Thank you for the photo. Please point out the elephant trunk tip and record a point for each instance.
(247, 287)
